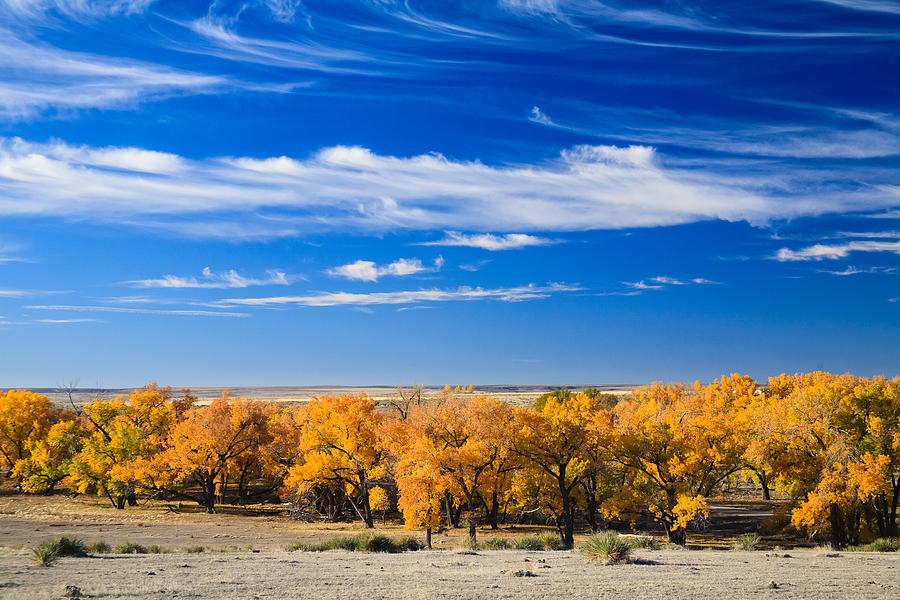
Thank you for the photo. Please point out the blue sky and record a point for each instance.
(282, 192)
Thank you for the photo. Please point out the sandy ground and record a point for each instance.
(451, 575)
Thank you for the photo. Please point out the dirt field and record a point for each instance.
(446, 574)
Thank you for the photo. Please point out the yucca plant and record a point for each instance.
(130, 548)
(99, 547)
(748, 541)
(46, 554)
(529, 542)
(607, 547)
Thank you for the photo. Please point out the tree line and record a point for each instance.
(831, 442)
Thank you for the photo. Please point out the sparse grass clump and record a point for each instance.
(157, 549)
(46, 554)
(607, 547)
(529, 542)
(643, 542)
(99, 547)
(130, 548)
(195, 549)
(747, 541)
(468, 543)
(879, 545)
(551, 541)
(363, 542)
(496, 543)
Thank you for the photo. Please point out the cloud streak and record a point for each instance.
(212, 280)
(487, 241)
(461, 294)
(353, 188)
(138, 311)
(835, 251)
(366, 270)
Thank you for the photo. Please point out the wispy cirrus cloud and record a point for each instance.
(835, 251)
(213, 280)
(137, 311)
(661, 281)
(461, 294)
(342, 188)
(851, 270)
(488, 241)
(367, 270)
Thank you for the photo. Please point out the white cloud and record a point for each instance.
(213, 280)
(835, 251)
(366, 270)
(352, 188)
(851, 270)
(475, 266)
(487, 241)
(65, 321)
(503, 294)
(658, 283)
(138, 311)
(15, 293)
(539, 117)
(890, 7)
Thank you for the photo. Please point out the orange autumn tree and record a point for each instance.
(675, 448)
(551, 443)
(123, 436)
(833, 443)
(338, 447)
(207, 444)
(24, 416)
(50, 457)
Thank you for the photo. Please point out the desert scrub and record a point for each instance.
(157, 549)
(551, 541)
(99, 547)
(496, 543)
(607, 547)
(195, 549)
(45, 554)
(363, 542)
(879, 545)
(130, 548)
(468, 543)
(643, 542)
(529, 542)
(748, 541)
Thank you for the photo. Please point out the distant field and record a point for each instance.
(516, 395)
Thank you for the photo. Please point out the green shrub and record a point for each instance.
(468, 543)
(748, 541)
(46, 554)
(67, 546)
(408, 543)
(879, 545)
(99, 547)
(195, 549)
(496, 543)
(607, 547)
(529, 542)
(130, 548)
(156, 549)
(643, 542)
(551, 541)
(363, 542)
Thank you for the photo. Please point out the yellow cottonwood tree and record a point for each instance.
(24, 416)
(338, 446)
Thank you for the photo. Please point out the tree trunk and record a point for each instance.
(428, 538)
(764, 484)
(676, 535)
(131, 499)
(470, 504)
(120, 502)
(568, 522)
(838, 528)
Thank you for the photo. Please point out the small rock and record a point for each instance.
(773, 585)
(151, 572)
(523, 573)
(72, 591)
